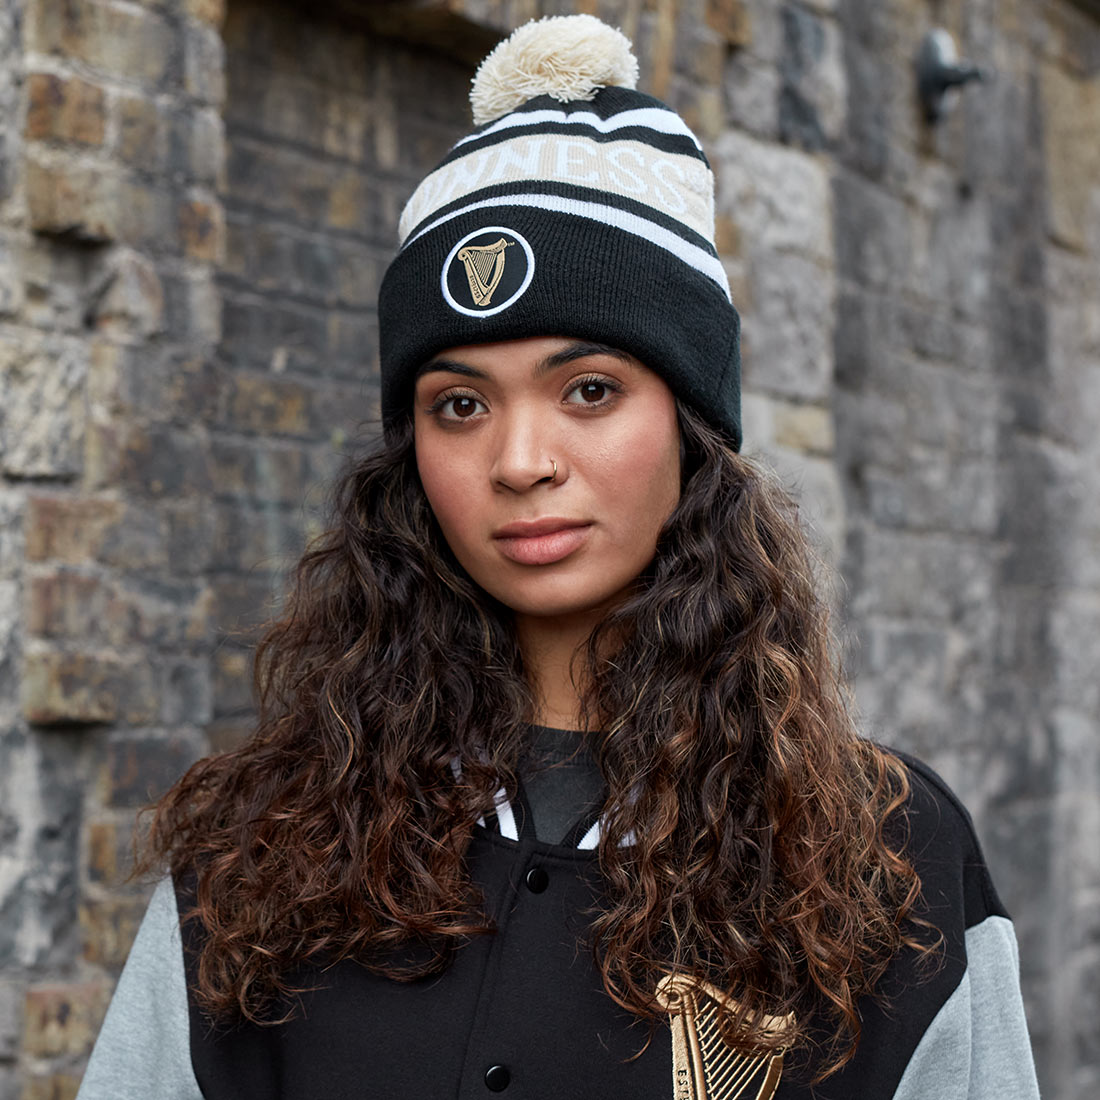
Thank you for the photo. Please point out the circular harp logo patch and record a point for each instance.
(487, 271)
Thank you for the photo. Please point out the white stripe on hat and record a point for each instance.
(651, 118)
(691, 254)
(676, 184)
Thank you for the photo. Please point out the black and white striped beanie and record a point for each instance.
(579, 207)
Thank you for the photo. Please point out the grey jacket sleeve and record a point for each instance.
(144, 1047)
(977, 1047)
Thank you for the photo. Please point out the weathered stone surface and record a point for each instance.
(86, 688)
(257, 472)
(161, 461)
(57, 1086)
(139, 769)
(65, 109)
(11, 286)
(204, 64)
(209, 11)
(1072, 135)
(788, 338)
(128, 44)
(140, 134)
(232, 682)
(804, 428)
(189, 538)
(11, 1018)
(268, 405)
(110, 853)
(812, 97)
(41, 408)
(197, 147)
(11, 638)
(778, 198)
(202, 229)
(75, 606)
(130, 299)
(873, 245)
(249, 539)
(70, 530)
(145, 214)
(64, 604)
(108, 929)
(13, 505)
(63, 1019)
(72, 198)
(730, 19)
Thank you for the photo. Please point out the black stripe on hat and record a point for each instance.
(673, 144)
(607, 103)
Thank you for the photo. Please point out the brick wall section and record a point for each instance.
(327, 132)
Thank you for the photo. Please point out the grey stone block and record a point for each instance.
(872, 230)
(812, 98)
(751, 89)
(779, 198)
(42, 408)
(866, 137)
(789, 335)
(861, 337)
(11, 1018)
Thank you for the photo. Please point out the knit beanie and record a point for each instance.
(578, 207)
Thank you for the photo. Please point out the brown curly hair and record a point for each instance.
(768, 846)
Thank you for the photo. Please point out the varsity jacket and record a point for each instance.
(522, 1012)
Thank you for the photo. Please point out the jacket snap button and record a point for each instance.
(497, 1078)
(537, 880)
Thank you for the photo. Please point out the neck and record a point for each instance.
(552, 657)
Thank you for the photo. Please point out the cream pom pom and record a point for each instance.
(565, 56)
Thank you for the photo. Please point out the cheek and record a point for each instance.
(640, 472)
(443, 486)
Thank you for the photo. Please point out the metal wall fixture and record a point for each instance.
(940, 73)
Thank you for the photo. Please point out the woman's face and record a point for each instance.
(491, 422)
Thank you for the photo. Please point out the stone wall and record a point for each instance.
(111, 234)
(196, 206)
(966, 358)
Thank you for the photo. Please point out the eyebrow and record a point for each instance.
(577, 350)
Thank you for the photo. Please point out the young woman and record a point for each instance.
(553, 791)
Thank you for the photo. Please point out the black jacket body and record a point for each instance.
(523, 1012)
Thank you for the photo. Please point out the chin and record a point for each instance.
(560, 596)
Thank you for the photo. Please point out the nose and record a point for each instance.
(524, 453)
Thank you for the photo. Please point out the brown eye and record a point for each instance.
(464, 406)
(594, 391)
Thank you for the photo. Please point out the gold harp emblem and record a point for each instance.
(484, 265)
(704, 1065)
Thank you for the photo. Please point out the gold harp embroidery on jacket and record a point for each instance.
(484, 265)
(704, 1065)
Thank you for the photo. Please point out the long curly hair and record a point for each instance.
(750, 836)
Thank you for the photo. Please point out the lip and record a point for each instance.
(541, 541)
(532, 528)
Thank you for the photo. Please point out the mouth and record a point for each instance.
(541, 541)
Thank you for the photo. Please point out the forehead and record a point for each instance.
(535, 356)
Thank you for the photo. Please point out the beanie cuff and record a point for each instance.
(557, 272)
